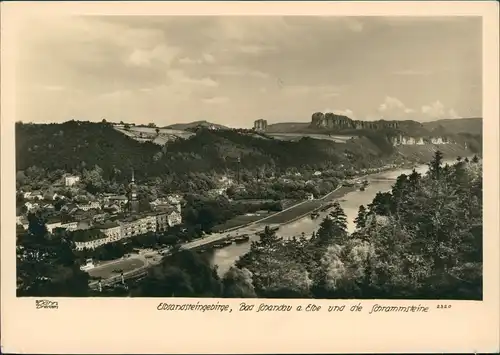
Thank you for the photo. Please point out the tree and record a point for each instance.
(183, 274)
(435, 165)
(361, 218)
(238, 283)
(46, 265)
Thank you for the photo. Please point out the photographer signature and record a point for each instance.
(46, 304)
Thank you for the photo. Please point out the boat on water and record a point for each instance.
(241, 239)
(314, 215)
(223, 244)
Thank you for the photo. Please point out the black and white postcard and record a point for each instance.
(249, 177)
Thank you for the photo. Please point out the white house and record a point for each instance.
(70, 180)
(53, 225)
(31, 206)
(34, 195)
(70, 226)
(88, 265)
(310, 196)
(174, 218)
(111, 230)
(90, 205)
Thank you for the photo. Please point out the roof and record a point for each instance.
(107, 225)
(53, 219)
(86, 235)
(120, 197)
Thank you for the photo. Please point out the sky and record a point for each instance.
(234, 70)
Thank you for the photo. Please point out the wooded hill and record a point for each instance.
(77, 145)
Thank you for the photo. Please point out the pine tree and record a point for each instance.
(435, 165)
(361, 218)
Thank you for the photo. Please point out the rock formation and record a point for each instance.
(260, 125)
(333, 121)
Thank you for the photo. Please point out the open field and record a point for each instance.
(297, 136)
(149, 134)
(293, 212)
(124, 265)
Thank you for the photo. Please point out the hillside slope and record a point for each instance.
(77, 145)
(459, 125)
(74, 146)
(195, 125)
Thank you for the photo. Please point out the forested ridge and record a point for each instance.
(74, 146)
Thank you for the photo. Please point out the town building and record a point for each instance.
(112, 230)
(71, 180)
(31, 206)
(100, 217)
(90, 205)
(50, 196)
(70, 226)
(34, 195)
(161, 221)
(134, 225)
(89, 238)
(174, 218)
(69, 208)
(310, 196)
(118, 199)
(53, 225)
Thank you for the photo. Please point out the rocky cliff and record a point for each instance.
(332, 121)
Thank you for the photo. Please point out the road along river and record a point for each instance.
(224, 258)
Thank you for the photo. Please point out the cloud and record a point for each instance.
(236, 71)
(438, 111)
(331, 94)
(145, 58)
(347, 112)
(205, 58)
(394, 108)
(255, 49)
(216, 100)
(323, 90)
(208, 58)
(177, 76)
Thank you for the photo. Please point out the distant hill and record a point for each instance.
(195, 125)
(406, 127)
(288, 127)
(456, 125)
(74, 146)
(79, 146)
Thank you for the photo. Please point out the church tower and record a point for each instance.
(132, 198)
